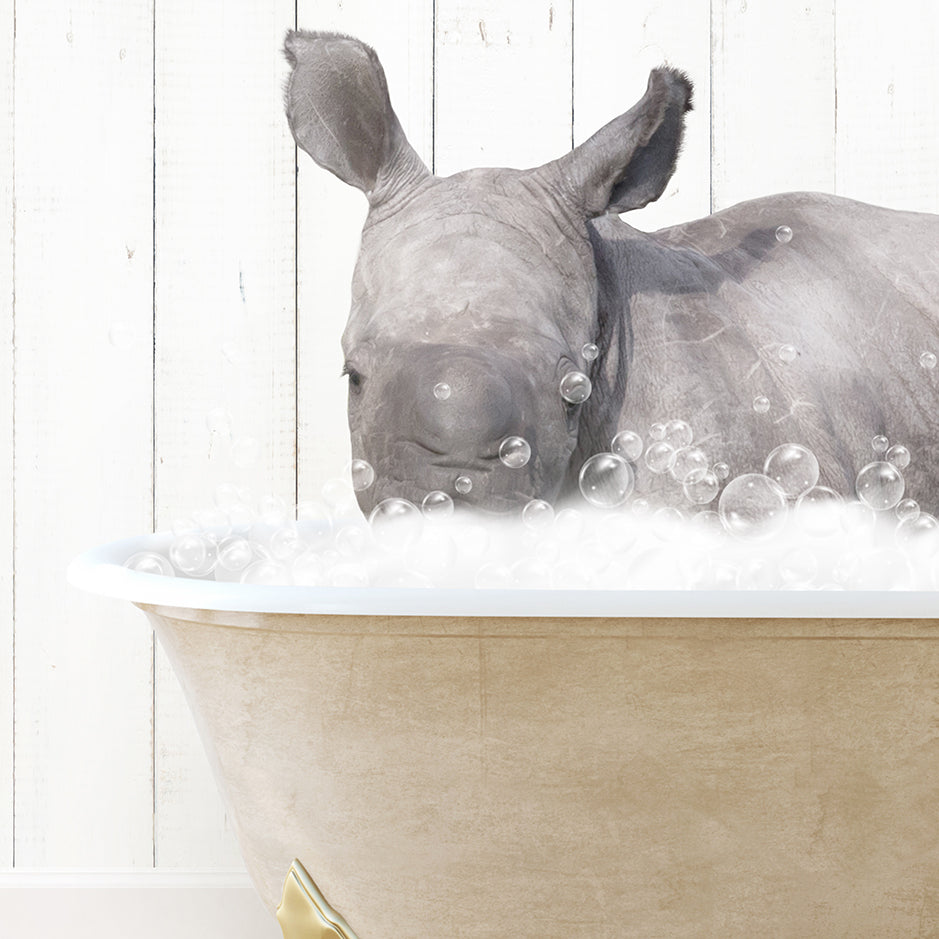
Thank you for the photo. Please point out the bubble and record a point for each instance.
(907, 508)
(606, 480)
(441, 391)
(494, 576)
(700, 486)
(213, 523)
(235, 554)
(265, 572)
(784, 234)
(314, 522)
(628, 445)
(530, 573)
(761, 404)
(463, 485)
(928, 360)
(285, 543)
(759, 574)
(361, 474)
(150, 562)
(348, 575)
(660, 456)
(819, 511)
(192, 554)
(514, 452)
(798, 567)
(721, 470)
(899, 456)
(753, 506)
(569, 524)
(395, 522)
(793, 467)
(575, 387)
(307, 569)
(857, 519)
(589, 351)
(678, 434)
(339, 496)
(879, 485)
(218, 421)
(687, 460)
(657, 431)
(879, 444)
(538, 515)
(351, 541)
(437, 504)
(272, 510)
(919, 534)
(245, 452)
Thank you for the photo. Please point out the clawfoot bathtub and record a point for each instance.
(543, 764)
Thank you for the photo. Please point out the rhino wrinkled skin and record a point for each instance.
(492, 281)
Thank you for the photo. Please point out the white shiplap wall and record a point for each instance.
(169, 262)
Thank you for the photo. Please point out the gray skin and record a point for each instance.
(492, 281)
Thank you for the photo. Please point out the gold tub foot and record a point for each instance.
(303, 912)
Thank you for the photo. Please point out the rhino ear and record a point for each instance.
(340, 113)
(627, 164)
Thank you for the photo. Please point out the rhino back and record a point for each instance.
(695, 317)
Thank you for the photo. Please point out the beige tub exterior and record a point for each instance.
(461, 777)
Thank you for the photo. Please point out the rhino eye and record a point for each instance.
(355, 378)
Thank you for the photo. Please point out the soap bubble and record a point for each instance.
(285, 543)
(657, 431)
(819, 511)
(193, 554)
(687, 460)
(787, 353)
(150, 562)
(798, 566)
(721, 470)
(575, 387)
(928, 360)
(569, 525)
(494, 576)
(879, 444)
(272, 510)
(589, 351)
(784, 234)
(213, 523)
(761, 404)
(245, 452)
(351, 541)
(538, 515)
(514, 452)
(441, 391)
(793, 467)
(879, 485)
(628, 445)
(700, 486)
(339, 496)
(919, 534)
(660, 456)
(759, 574)
(235, 554)
(606, 480)
(218, 421)
(678, 434)
(395, 522)
(753, 506)
(265, 572)
(307, 569)
(361, 474)
(463, 485)
(899, 456)
(313, 522)
(907, 508)
(437, 504)
(348, 575)
(858, 519)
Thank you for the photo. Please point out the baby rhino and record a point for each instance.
(478, 298)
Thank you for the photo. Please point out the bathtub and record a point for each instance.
(451, 764)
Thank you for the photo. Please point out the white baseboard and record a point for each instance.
(142, 904)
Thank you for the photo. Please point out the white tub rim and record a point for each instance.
(100, 571)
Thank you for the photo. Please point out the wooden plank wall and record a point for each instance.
(181, 285)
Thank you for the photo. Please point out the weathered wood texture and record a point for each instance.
(225, 335)
(6, 435)
(139, 389)
(83, 447)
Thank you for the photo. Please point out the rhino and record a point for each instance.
(800, 317)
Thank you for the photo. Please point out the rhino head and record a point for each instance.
(473, 295)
